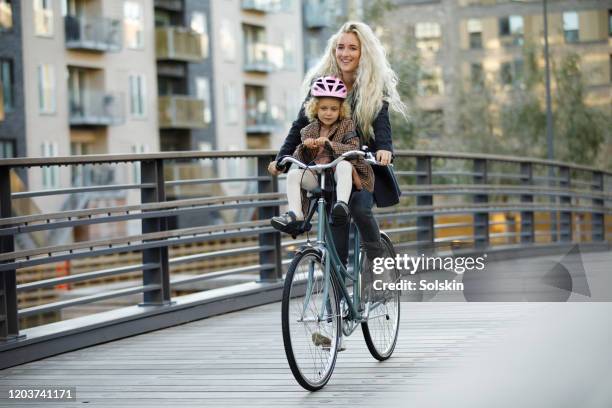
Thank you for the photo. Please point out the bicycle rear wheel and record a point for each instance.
(311, 342)
(381, 329)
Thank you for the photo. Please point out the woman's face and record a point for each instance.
(328, 110)
(348, 51)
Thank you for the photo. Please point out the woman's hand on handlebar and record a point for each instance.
(272, 169)
(384, 157)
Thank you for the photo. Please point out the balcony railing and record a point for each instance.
(97, 108)
(181, 112)
(317, 15)
(260, 122)
(260, 57)
(179, 44)
(92, 33)
(263, 6)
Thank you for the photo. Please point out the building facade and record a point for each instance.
(464, 42)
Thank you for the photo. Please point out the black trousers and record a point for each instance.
(360, 205)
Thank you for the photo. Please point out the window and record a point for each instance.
(512, 26)
(477, 74)
(133, 24)
(430, 82)
(511, 72)
(199, 25)
(474, 28)
(6, 81)
(230, 99)
(570, 27)
(137, 95)
(288, 51)
(50, 174)
(137, 149)
(7, 149)
(203, 92)
(46, 88)
(228, 40)
(6, 15)
(428, 36)
(43, 17)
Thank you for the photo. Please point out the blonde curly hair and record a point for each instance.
(312, 106)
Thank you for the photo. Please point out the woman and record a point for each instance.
(356, 56)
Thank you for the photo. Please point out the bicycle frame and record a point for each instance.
(335, 265)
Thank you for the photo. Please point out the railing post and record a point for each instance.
(152, 171)
(9, 319)
(481, 218)
(527, 217)
(425, 223)
(565, 218)
(597, 218)
(273, 238)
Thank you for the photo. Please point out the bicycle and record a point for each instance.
(316, 303)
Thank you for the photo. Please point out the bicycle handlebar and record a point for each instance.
(321, 167)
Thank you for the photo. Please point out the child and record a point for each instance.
(330, 133)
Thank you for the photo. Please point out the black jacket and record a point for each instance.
(380, 141)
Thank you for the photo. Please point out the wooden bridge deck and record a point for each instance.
(448, 354)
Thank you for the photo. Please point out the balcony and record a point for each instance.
(92, 34)
(262, 6)
(180, 112)
(179, 44)
(262, 58)
(317, 15)
(172, 5)
(97, 108)
(260, 122)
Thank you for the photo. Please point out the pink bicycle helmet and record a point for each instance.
(329, 86)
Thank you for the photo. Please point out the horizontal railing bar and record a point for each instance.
(129, 248)
(85, 276)
(175, 183)
(186, 155)
(218, 274)
(409, 173)
(132, 238)
(188, 202)
(117, 158)
(454, 173)
(215, 254)
(49, 307)
(75, 190)
(139, 216)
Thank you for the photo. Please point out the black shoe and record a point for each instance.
(340, 213)
(285, 223)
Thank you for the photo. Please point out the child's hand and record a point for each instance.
(310, 144)
(321, 141)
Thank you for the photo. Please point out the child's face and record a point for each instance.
(328, 110)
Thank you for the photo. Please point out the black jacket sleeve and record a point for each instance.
(293, 139)
(382, 130)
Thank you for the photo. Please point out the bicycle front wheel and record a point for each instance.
(381, 329)
(311, 321)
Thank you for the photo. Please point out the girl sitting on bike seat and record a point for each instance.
(330, 133)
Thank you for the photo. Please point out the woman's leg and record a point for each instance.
(361, 205)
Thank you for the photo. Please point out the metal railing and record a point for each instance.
(317, 14)
(258, 57)
(93, 33)
(472, 201)
(180, 44)
(97, 108)
(180, 111)
(260, 122)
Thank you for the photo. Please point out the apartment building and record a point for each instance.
(82, 75)
(462, 42)
(321, 19)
